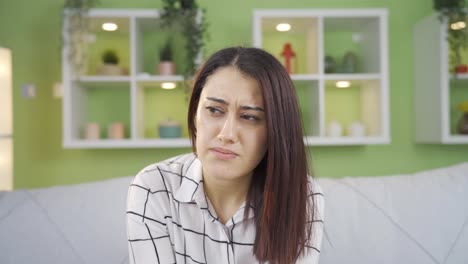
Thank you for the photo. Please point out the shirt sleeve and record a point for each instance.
(312, 251)
(147, 211)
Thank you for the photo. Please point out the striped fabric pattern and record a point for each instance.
(170, 219)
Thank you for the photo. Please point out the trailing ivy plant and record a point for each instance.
(190, 18)
(76, 28)
(451, 12)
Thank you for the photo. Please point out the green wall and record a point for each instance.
(32, 30)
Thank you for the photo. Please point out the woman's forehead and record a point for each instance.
(230, 84)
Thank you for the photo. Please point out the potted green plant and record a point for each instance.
(187, 15)
(110, 65)
(454, 14)
(166, 65)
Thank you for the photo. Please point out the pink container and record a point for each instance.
(92, 131)
(166, 68)
(116, 131)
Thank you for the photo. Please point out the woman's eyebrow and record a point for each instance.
(221, 101)
(244, 107)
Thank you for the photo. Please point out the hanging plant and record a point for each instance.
(187, 15)
(76, 30)
(453, 12)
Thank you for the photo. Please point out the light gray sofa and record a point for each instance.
(418, 218)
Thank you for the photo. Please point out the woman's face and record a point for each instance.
(231, 125)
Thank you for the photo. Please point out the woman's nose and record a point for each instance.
(228, 132)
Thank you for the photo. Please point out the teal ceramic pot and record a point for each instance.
(169, 129)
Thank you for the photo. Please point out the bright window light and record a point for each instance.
(343, 84)
(283, 27)
(3, 70)
(109, 26)
(168, 85)
(458, 25)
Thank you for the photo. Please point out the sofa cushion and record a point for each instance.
(82, 223)
(418, 218)
(28, 235)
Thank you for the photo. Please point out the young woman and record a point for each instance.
(244, 194)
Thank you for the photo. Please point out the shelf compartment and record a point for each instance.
(303, 37)
(309, 103)
(149, 42)
(451, 55)
(156, 105)
(458, 93)
(102, 103)
(360, 102)
(99, 41)
(359, 35)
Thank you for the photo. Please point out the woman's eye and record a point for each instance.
(250, 117)
(213, 110)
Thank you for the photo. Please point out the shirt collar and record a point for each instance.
(191, 188)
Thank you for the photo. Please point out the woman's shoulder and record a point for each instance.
(314, 186)
(164, 174)
(315, 192)
(316, 222)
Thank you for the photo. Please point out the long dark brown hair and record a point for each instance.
(279, 189)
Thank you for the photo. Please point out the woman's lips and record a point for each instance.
(223, 154)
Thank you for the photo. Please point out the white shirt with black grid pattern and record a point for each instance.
(170, 219)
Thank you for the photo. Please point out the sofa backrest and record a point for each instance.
(419, 218)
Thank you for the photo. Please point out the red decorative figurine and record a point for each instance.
(288, 54)
(461, 68)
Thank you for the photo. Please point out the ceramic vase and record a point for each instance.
(349, 62)
(166, 68)
(334, 129)
(169, 129)
(116, 131)
(93, 131)
(356, 129)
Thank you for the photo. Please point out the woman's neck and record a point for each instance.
(226, 196)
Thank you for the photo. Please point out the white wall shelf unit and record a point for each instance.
(317, 33)
(134, 97)
(437, 92)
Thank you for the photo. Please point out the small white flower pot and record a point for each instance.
(110, 69)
